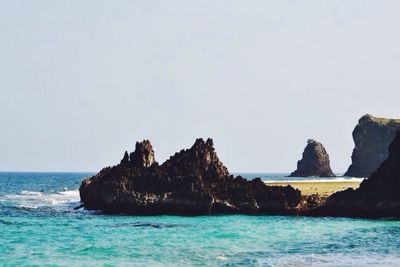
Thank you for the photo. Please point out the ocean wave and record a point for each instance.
(5, 222)
(35, 200)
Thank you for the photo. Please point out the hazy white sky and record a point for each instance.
(82, 81)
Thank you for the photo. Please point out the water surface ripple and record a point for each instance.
(39, 226)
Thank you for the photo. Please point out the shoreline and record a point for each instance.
(323, 188)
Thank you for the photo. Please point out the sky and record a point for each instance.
(82, 81)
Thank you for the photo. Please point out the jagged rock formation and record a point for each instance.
(143, 156)
(125, 160)
(315, 161)
(372, 137)
(205, 166)
(193, 181)
(377, 196)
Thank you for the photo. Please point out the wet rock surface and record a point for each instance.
(192, 182)
(315, 161)
(372, 137)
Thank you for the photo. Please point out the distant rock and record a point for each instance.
(192, 182)
(372, 137)
(377, 196)
(315, 161)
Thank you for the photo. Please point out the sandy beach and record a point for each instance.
(323, 188)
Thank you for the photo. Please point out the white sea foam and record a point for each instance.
(35, 200)
(222, 258)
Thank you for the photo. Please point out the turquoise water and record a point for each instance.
(38, 226)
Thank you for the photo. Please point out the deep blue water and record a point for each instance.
(38, 226)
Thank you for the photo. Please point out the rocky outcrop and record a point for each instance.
(193, 181)
(201, 161)
(372, 137)
(315, 161)
(143, 156)
(377, 196)
(125, 160)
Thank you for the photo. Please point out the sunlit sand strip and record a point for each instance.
(323, 188)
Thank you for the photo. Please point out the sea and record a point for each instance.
(39, 227)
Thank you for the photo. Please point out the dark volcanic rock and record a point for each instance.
(377, 196)
(125, 159)
(193, 181)
(143, 156)
(372, 137)
(201, 160)
(315, 161)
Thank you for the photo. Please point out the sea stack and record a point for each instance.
(315, 161)
(377, 196)
(372, 137)
(192, 182)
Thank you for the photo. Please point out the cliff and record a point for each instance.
(315, 161)
(372, 137)
(192, 182)
(377, 196)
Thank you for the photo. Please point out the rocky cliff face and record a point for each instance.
(372, 137)
(377, 196)
(315, 161)
(193, 181)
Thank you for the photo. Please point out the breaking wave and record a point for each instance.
(37, 200)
